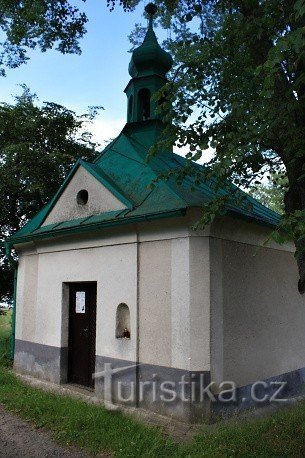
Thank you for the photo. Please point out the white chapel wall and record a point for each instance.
(27, 297)
(258, 316)
(199, 297)
(99, 199)
(168, 269)
(174, 302)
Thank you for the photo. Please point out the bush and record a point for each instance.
(5, 332)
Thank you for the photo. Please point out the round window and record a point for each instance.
(82, 197)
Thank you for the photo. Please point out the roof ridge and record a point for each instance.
(107, 181)
(106, 148)
(156, 175)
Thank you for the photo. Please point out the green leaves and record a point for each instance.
(38, 24)
(271, 192)
(299, 7)
(38, 146)
(239, 88)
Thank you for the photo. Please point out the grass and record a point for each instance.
(97, 430)
(5, 327)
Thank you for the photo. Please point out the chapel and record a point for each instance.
(119, 294)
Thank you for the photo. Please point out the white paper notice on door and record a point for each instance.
(80, 306)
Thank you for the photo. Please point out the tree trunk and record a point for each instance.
(295, 200)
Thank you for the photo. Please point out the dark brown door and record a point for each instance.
(82, 326)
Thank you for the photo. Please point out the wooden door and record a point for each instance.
(82, 327)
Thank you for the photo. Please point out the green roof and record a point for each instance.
(150, 58)
(123, 170)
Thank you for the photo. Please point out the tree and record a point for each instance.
(239, 86)
(38, 146)
(39, 24)
(42, 24)
(271, 193)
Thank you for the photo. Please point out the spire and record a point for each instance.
(150, 58)
(148, 67)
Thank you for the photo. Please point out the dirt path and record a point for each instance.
(19, 439)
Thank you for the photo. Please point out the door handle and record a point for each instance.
(86, 330)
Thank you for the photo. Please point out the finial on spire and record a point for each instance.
(151, 10)
(149, 58)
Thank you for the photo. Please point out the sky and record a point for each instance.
(96, 77)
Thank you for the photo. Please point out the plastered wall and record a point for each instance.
(258, 317)
(161, 273)
(198, 301)
(155, 329)
(174, 303)
(27, 297)
(45, 320)
(100, 199)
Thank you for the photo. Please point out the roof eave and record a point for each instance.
(95, 226)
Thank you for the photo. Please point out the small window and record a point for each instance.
(143, 105)
(82, 197)
(123, 322)
(130, 108)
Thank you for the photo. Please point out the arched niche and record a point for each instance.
(122, 322)
(144, 105)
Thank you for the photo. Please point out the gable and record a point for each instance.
(69, 207)
(119, 191)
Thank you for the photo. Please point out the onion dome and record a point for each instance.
(150, 58)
